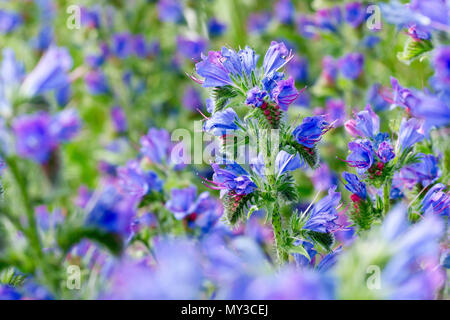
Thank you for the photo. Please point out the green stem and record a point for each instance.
(386, 196)
(282, 255)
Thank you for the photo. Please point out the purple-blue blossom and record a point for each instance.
(355, 185)
(285, 93)
(310, 131)
(351, 65)
(409, 134)
(323, 214)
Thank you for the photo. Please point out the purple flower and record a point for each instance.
(310, 131)
(270, 82)
(354, 14)
(50, 73)
(323, 214)
(323, 178)
(113, 211)
(385, 152)
(156, 145)
(65, 125)
(287, 162)
(436, 10)
(119, 119)
(300, 260)
(221, 122)
(192, 99)
(285, 93)
(354, 185)
(139, 46)
(33, 137)
(436, 200)
(96, 82)
(328, 19)
(122, 45)
(306, 26)
(441, 63)
(368, 123)
(191, 48)
(335, 111)
(9, 21)
(90, 18)
(298, 69)
(216, 28)
(403, 96)
(182, 201)
(135, 182)
(284, 11)
(375, 99)
(213, 70)
(232, 179)
(276, 57)
(425, 171)
(361, 155)
(352, 65)
(257, 22)
(409, 134)
(8, 292)
(329, 69)
(255, 97)
(170, 11)
(11, 70)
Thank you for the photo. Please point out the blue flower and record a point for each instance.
(409, 133)
(361, 156)
(276, 57)
(182, 201)
(302, 261)
(255, 97)
(249, 59)
(351, 65)
(354, 185)
(375, 99)
(191, 48)
(441, 63)
(122, 45)
(284, 11)
(9, 21)
(298, 69)
(257, 22)
(135, 182)
(270, 82)
(354, 14)
(385, 152)
(310, 131)
(436, 200)
(156, 145)
(323, 214)
(403, 96)
(368, 122)
(216, 28)
(96, 82)
(285, 93)
(232, 179)
(65, 125)
(192, 99)
(50, 73)
(213, 70)
(170, 11)
(221, 122)
(287, 162)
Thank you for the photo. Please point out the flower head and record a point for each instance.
(385, 152)
(354, 185)
(311, 130)
(221, 122)
(255, 97)
(323, 214)
(285, 93)
(436, 200)
(409, 133)
(352, 65)
(276, 57)
(360, 156)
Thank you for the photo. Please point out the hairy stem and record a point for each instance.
(386, 196)
(282, 256)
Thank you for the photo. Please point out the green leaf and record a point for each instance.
(414, 50)
(325, 240)
(221, 96)
(299, 250)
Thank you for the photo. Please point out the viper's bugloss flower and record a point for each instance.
(323, 214)
(33, 137)
(270, 82)
(360, 156)
(306, 26)
(354, 185)
(191, 48)
(426, 171)
(284, 11)
(403, 96)
(298, 69)
(351, 65)
(221, 122)
(335, 111)
(216, 28)
(182, 201)
(249, 59)
(11, 70)
(409, 133)
(413, 270)
(232, 179)
(113, 211)
(385, 151)
(170, 11)
(311, 130)
(287, 162)
(8, 292)
(375, 98)
(285, 93)
(139, 46)
(192, 99)
(436, 10)
(323, 178)
(65, 125)
(276, 57)
(9, 21)
(354, 14)
(90, 17)
(436, 200)
(368, 122)
(257, 22)
(328, 19)
(118, 119)
(49, 74)
(122, 45)
(96, 82)
(213, 70)
(156, 145)
(136, 182)
(255, 97)
(329, 69)
(441, 63)
(418, 32)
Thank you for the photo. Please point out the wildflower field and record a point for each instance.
(224, 149)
